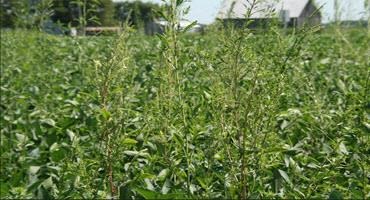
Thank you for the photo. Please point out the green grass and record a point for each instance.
(186, 116)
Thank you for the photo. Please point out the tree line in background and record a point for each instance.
(36, 13)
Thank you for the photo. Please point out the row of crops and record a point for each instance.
(229, 114)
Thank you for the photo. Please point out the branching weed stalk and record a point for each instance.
(173, 86)
(109, 82)
(235, 72)
(254, 74)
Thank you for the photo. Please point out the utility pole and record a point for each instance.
(367, 13)
(336, 11)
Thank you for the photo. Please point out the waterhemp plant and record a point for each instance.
(250, 83)
(110, 75)
(173, 87)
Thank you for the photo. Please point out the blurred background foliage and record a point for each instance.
(67, 12)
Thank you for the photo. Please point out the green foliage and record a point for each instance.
(31, 13)
(106, 17)
(229, 114)
(137, 13)
(87, 13)
(7, 15)
(25, 14)
(64, 12)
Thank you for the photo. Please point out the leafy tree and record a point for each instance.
(14, 13)
(367, 12)
(63, 12)
(30, 13)
(94, 12)
(106, 14)
(7, 15)
(137, 13)
(25, 13)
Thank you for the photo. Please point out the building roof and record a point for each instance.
(263, 9)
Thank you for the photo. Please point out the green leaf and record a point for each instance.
(58, 155)
(129, 141)
(173, 196)
(71, 135)
(161, 14)
(4, 190)
(343, 149)
(335, 195)
(202, 183)
(166, 187)
(48, 183)
(147, 175)
(313, 166)
(187, 28)
(125, 192)
(284, 124)
(367, 125)
(105, 113)
(43, 193)
(48, 122)
(147, 194)
(21, 138)
(54, 147)
(164, 40)
(72, 102)
(149, 184)
(342, 86)
(34, 169)
(286, 160)
(136, 153)
(163, 174)
(285, 176)
(218, 156)
(207, 95)
(179, 2)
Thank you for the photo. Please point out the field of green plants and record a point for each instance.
(232, 113)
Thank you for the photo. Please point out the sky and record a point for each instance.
(204, 11)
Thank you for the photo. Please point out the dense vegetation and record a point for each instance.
(229, 114)
(64, 13)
